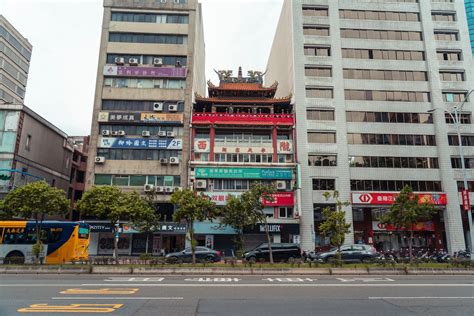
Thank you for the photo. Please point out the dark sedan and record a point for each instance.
(202, 254)
(350, 253)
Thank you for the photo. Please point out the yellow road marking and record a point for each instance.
(73, 308)
(106, 291)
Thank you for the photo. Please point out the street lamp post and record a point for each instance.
(456, 117)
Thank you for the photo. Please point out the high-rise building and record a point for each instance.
(365, 76)
(242, 134)
(151, 62)
(15, 55)
(469, 4)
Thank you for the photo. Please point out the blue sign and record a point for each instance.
(206, 228)
(140, 143)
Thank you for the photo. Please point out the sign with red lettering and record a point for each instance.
(279, 198)
(382, 198)
(202, 145)
(422, 226)
(285, 146)
(466, 203)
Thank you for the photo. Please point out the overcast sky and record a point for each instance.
(65, 35)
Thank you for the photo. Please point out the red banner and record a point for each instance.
(466, 204)
(376, 198)
(422, 226)
(243, 118)
(281, 199)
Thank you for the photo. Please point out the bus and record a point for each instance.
(63, 241)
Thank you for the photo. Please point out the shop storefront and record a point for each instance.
(215, 236)
(368, 209)
(279, 233)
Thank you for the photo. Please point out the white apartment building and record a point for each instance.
(364, 75)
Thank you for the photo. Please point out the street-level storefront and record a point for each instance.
(216, 236)
(368, 209)
(167, 237)
(279, 233)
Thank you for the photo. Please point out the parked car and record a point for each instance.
(280, 252)
(202, 254)
(351, 253)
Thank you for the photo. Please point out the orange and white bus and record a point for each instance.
(63, 241)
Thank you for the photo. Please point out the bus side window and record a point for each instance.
(54, 235)
(14, 236)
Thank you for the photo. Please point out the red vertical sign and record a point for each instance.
(465, 200)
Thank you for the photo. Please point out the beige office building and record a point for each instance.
(151, 63)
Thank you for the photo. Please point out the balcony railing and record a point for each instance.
(243, 118)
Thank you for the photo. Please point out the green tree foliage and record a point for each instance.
(4, 214)
(111, 203)
(406, 212)
(36, 200)
(148, 223)
(191, 207)
(253, 204)
(334, 224)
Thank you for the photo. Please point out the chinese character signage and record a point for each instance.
(389, 198)
(285, 147)
(170, 118)
(202, 145)
(279, 198)
(140, 143)
(162, 227)
(422, 226)
(145, 72)
(243, 173)
(466, 204)
(124, 117)
(243, 149)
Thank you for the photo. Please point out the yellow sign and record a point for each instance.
(162, 117)
(73, 308)
(100, 291)
(103, 117)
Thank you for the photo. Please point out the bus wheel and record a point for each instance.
(14, 257)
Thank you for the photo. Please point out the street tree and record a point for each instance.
(253, 202)
(236, 215)
(334, 224)
(191, 207)
(148, 223)
(36, 200)
(114, 205)
(406, 212)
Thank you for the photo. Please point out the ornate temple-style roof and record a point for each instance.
(240, 100)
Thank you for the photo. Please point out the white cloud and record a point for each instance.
(66, 35)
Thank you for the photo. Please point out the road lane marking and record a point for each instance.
(290, 285)
(418, 297)
(119, 279)
(115, 291)
(366, 280)
(212, 280)
(289, 280)
(72, 308)
(115, 298)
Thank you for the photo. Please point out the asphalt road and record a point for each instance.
(236, 295)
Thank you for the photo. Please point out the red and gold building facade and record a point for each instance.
(241, 133)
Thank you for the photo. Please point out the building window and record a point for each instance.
(395, 185)
(136, 180)
(149, 17)
(324, 184)
(454, 96)
(322, 137)
(315, 11)
(450, 36)
(467, 140)
(373, 74)
(137, 154)
(140, 83)
(449, 55)
(316, 30)
(468, 162)
(389, 117)
(321, 93)
(311, 71)
(148, 38)
(148, 59)
(443, 16)
(285, 212)
(379, 15)
(381, 35)
(28, 142)
(391, 139)
(396, 96)
(320, 115)
(318, 51)
(393, 162)
(382, 54)
(465, 118)
(322, 160)
(451, 75)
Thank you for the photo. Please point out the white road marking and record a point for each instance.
(289, 280)
(366, 280)
(118, 279)
(115, 298)
(212, 280)
(418, 297)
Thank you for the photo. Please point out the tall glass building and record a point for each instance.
(470, 20)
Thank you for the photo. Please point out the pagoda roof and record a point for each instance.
(242, 86)
(243, 101)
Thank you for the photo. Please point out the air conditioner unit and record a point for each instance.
(281, 185)
(121, 133)
(105, 132)
(114, 133)
(168, 189)
(163, 160)
(160, 189)
(158, 61)
(170, 134)
(99, 159)
(173, 108)
(133, 61)
(174, 161)
(119, 60)
(146, 133)
(162, 133)
(158, 106)
(148, 187)
(201, 184)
